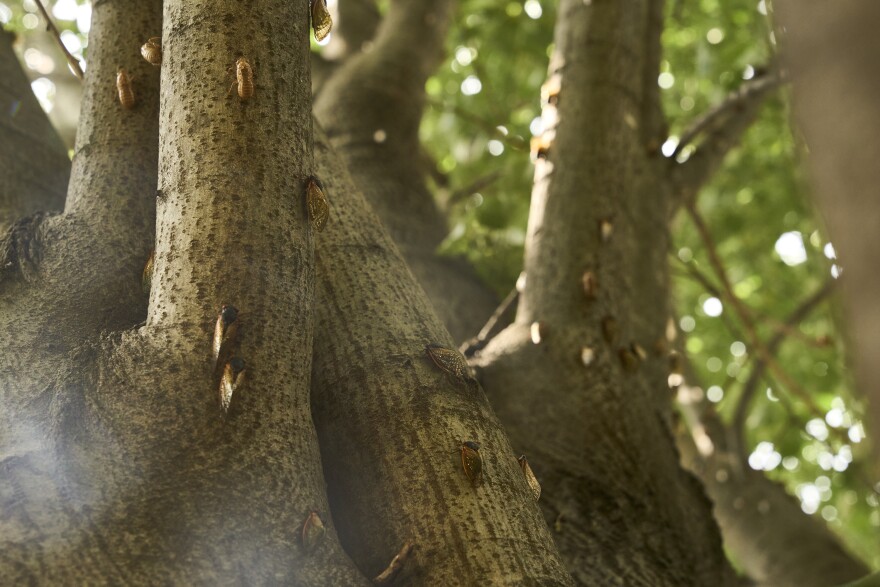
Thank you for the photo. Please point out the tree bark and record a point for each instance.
(761, 523)
(143, 477)
(391, 424)
(32, 155)
(371, 109)
(567, 378)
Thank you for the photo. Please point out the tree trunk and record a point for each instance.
(579, 378)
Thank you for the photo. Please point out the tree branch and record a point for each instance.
(654, 125)
(760, 522)
(737, 426)
(386, 413)
(493, 325)
(50, 26)
(372, 108)
(744, 315)
(33, 157)
(721, 129)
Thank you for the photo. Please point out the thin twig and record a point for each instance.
(469, 348)
(737, 427)
(513, 141)
(480, 183)
(744, 315)
(50, 26)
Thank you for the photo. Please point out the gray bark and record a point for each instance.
(391, 424)
(35, 167)
(136, 474)
(624, 512)
(761, 522)
(382, 91)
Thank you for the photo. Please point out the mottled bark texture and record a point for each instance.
(371, 109)
(119, 464)
(391, 423)
(34, 167)
(831, 48)
(589, 402)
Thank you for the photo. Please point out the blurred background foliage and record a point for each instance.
(483, 108)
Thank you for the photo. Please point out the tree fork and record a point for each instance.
(391, 423)
(594, 423)
(371, 108)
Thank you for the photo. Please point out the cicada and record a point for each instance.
(530, 477)
(449, 361)
(231, 381)
(316, 199)
(313, 531)
(387, 576)
(321, 21)
(147, 276)
(225, 330)
(472, 462)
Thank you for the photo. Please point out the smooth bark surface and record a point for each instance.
(34, 167)
(832, 50)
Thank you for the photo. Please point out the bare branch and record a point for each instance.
(475, 186)
(493, 325)
(737, 427)
(721, 129)
(744, 315)
(50, 26)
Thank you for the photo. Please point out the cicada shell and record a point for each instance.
(387, 576)
(639, 351)
(588, 355)
(448, 360)
(321, 21)
(530, 477)
(123, 88)
(225, 330)
(147, 276)
(152, 51)
(551, 88)
(231, 381)
(588, 281)
(606, 229)
(540, 145)
(628, 359)
(609, 329)
(313, 531)
(244, 78)
(316, 198)
(472, 462)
